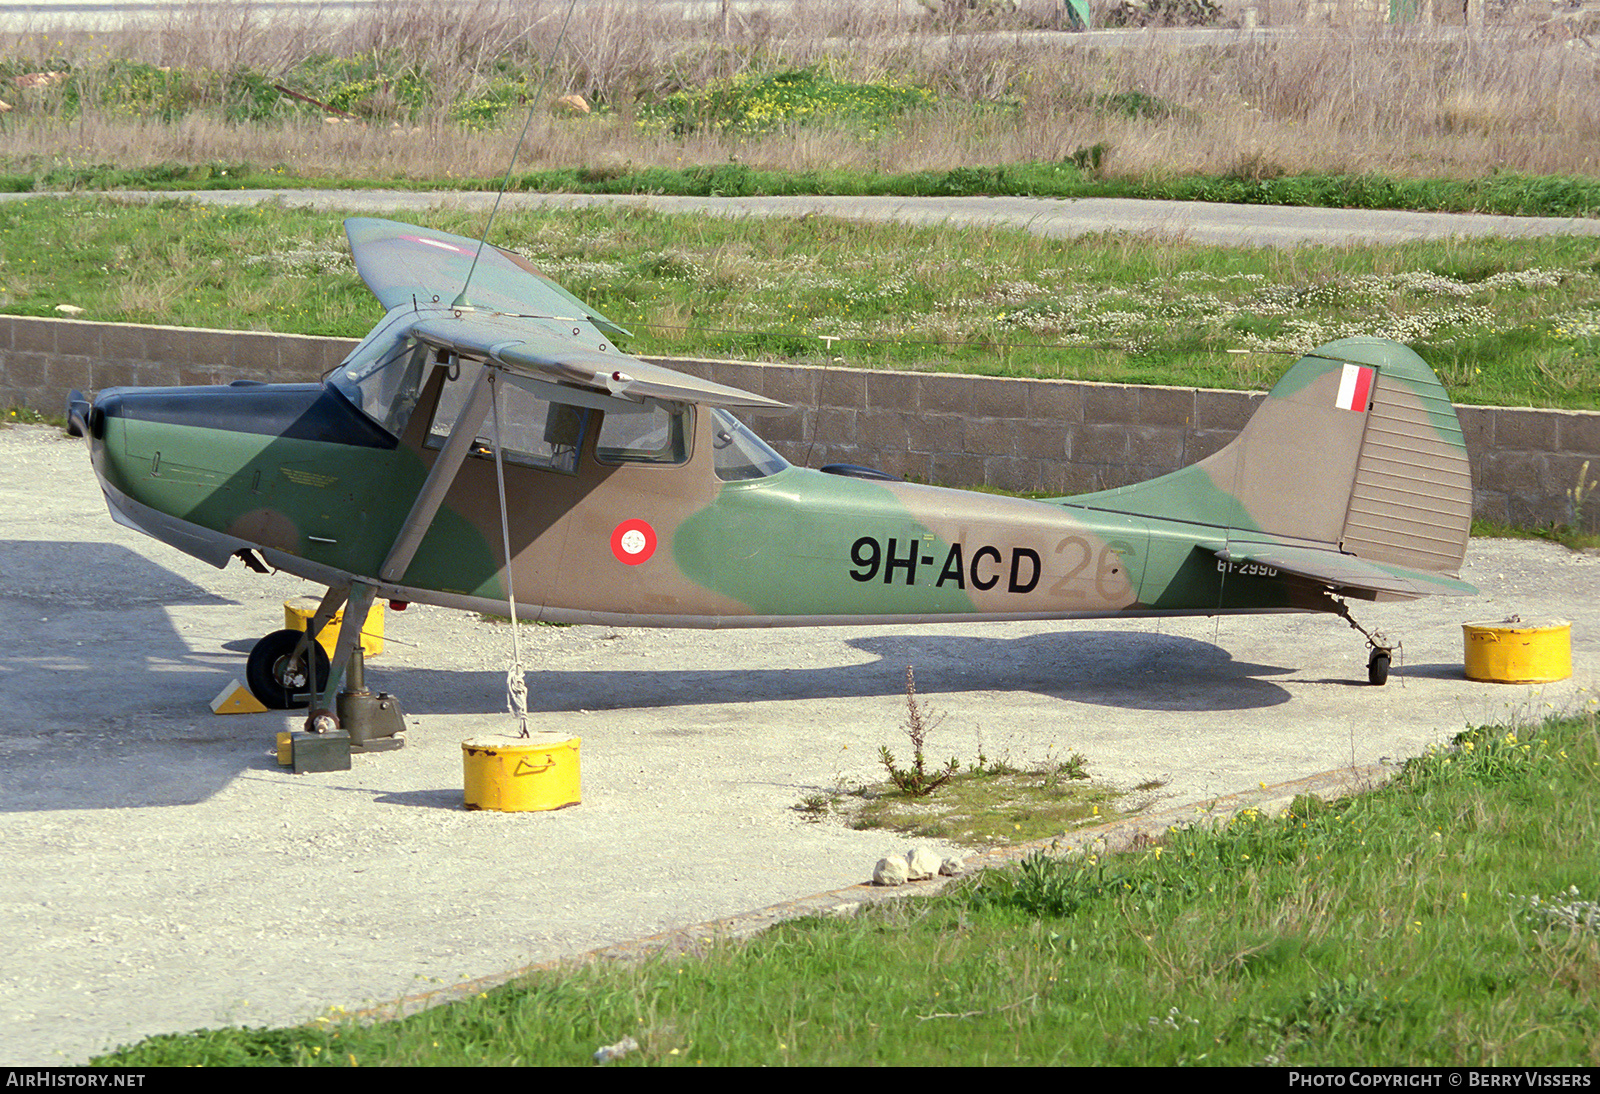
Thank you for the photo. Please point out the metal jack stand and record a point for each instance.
(374, 722)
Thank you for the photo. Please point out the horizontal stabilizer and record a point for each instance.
(1342, 571)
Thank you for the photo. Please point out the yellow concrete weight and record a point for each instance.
(518, 774)
(297, 614)
(1514, 652)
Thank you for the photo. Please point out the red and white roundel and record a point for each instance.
(633, 542)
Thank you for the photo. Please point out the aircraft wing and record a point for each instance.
(402, 263)
(536, 348)
(1343, 571)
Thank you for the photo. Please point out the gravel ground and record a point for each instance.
(163, 873)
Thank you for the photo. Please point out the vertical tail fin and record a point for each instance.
(1357, 447)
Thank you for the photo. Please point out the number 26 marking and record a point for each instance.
(1108, 569)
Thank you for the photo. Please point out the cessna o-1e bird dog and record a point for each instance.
(501, 446)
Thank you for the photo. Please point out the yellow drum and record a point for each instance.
(1514, 652)
(298, 613)
(517, 774)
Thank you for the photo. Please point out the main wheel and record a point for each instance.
(1378, 668)
(280, 679)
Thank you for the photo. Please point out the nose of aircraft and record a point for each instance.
(87, 419)
(78, 413)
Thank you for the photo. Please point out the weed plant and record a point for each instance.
(1567, 535)
(917, 781)
(1447, 919)
(22, 415)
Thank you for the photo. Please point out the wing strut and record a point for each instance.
(445, 468)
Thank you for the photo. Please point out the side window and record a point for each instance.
(643, 434)
(535, 432)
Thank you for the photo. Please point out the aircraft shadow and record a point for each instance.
(50, 573)
(1358, 678)
(106, 707)
(1131, 671)
(97, 707)
(1446, 671)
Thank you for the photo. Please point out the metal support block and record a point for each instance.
(320, 751)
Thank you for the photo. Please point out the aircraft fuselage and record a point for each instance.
(299, 474)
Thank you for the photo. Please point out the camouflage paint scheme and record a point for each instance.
(1350, 480)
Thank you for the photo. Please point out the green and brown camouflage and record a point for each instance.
(632, 495)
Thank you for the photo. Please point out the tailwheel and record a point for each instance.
(1378, 667)
(1382, 649)
(282, 680)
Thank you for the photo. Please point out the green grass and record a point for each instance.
(23, 415)
(1564, 534)
(1503, 322)
(1076, 176)
(1448, 919)
(765, 101)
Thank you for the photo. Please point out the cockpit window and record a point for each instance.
(534, 431)
(647, 433)
(738, 453)
(383, 374)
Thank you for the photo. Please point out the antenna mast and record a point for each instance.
(461, 302)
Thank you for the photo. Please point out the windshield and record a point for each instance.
(739, 453)
(383, 374)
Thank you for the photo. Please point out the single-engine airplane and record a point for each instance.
(501, 446)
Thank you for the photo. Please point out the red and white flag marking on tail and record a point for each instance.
(1355, 388)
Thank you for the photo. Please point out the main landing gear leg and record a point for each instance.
(1382, 650)
(288, 668)
(373, 722)
(322, 718)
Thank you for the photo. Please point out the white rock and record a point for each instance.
(921, 863)
(69, 309)
(606, 1053)
(952, 867)
(890, 871)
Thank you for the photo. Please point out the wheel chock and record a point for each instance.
(236, 699)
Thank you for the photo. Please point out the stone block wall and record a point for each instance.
(42, 359)
(1056, 436)
(1053, 436)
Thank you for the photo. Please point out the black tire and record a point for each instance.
(1378, 668)
(279, 679)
